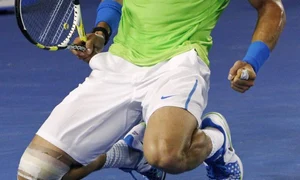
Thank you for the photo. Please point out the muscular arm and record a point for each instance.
(270, 23)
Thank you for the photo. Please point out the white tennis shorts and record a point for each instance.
(117, 95)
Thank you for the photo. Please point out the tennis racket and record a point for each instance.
(51, 24)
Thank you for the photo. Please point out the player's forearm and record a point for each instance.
(108, 16)
(79, 173)
(270, 23)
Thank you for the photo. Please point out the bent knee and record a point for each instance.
(165, 156)
(35, 164)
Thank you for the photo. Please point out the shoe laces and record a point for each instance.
(146, 170)
(151, 174)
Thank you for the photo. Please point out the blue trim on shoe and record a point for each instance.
(129, 140)
(207, 122)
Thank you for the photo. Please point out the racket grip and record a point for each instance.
(244, 75)
(77, 47)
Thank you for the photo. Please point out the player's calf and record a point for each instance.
(172, 141)
(174, 160)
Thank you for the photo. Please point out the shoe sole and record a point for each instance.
(228, 134)
(164, 176)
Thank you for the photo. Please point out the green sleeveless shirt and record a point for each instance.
(152, 31)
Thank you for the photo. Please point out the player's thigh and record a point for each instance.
(174, 114)
(174, 106)
(92, 117)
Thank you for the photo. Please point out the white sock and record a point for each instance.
(216, 137)
(120, 156)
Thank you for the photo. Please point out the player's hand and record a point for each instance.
(94, 45)
(238, 77)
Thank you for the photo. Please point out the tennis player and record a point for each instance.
(157, 70)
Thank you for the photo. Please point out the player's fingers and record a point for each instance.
(98, 43)
(252, 74)
(85, 56)
(77, 41)
(89, 46)
(243, 87)
(76, 53)
(78, 47)
(233, 70)
(243, 74)
(79, 54)
(241, 82)
(93, 44)
(240, 89)
(246, 74)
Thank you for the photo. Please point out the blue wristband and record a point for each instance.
(257, 54)
(109, 11)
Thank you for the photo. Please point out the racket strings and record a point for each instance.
(48, 22)
(62, 26)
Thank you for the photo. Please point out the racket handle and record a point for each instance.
(77, 47)
(81, 31)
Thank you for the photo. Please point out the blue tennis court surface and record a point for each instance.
(265, 122)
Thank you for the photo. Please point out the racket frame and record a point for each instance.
(77, 23)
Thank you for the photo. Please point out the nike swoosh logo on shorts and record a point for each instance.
(165, 97)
